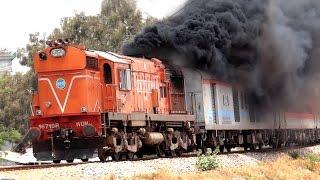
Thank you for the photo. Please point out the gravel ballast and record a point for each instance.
(127, 169)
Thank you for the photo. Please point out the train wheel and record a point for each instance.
(69, 160)
(260, 146)
(228, 148)
(139, 154)
(56, 161)
(130, 156)
(116, 156)
(213, 149)
(170, 153)
(178, 152)
(221, 148)
(160, 152)
(85, 160)
(204, 150)
(102, 155)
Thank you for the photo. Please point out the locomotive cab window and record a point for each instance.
(107, 74)
(125, 79)
(91, 63)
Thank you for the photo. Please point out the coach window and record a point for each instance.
(107, 73)
(225, 100)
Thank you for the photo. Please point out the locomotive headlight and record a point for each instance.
(83, 109)
(38, 112)
(58, 52)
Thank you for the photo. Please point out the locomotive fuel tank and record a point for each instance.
(153, 138)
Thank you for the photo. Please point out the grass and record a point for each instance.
(285, 167)
(294, 154)
(207, 161)
(313, 162)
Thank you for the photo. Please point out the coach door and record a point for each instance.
(210, 105)
(109, 93)
(177, 95)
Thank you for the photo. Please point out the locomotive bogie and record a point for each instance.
(161, 134)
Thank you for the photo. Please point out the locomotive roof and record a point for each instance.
(111, 56)
(114, 57)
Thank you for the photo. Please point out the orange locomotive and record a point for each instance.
(121, 106)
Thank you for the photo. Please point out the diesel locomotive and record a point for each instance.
(91, 101)
(121, 106)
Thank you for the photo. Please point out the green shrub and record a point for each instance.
(207, 162)
(294, 154)
(8, 134)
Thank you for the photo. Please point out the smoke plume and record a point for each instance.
(269, 47)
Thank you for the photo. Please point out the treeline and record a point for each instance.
(118, 21)
(15, 99)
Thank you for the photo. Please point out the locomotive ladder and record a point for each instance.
(105, 122)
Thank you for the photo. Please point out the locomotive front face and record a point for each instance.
(67, 104)
(65, 84)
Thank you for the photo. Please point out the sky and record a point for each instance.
(19, 18)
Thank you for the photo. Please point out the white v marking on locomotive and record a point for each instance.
(95, 106)
(62, 108)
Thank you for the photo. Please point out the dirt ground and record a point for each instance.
(285, 167)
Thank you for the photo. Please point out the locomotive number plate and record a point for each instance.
(49, 126)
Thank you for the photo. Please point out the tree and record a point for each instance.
(36, 43)
(121, 22)
(118, 22)
(81, 29)
(15, 100)
(10, 135)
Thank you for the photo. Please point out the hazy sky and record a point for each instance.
(20, 17)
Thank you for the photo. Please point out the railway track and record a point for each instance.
(52, 165)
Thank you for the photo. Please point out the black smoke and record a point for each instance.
(271, 48)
